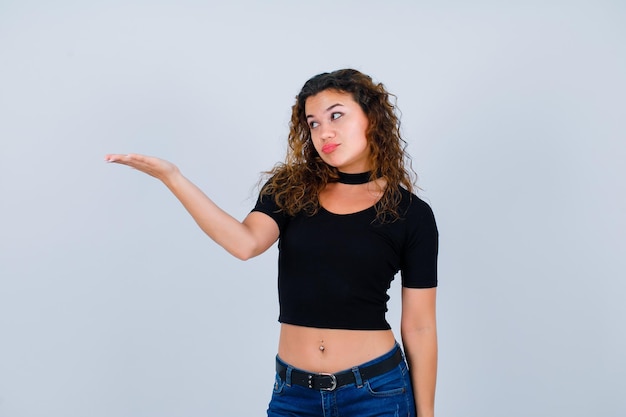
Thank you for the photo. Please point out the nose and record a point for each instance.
(326, 131)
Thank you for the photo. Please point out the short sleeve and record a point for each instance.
(267, 204)
(419, 265)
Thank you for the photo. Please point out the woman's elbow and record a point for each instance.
(242, 254)
(418, 328)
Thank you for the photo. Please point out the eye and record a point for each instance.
(313, 125)
(335, 115)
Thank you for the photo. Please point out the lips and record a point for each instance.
(329, 147)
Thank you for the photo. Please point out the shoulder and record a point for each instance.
(266, 203)
(418, 217)
(412, 206)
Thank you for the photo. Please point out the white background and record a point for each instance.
(113, 303)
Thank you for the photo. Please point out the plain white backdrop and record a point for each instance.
(113, 303)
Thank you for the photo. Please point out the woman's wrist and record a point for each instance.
(173, 178)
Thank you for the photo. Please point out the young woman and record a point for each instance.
(347, 221)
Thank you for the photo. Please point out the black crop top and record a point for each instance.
(334, 270)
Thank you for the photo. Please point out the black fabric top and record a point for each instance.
(334, 270)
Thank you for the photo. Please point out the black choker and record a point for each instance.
(354, 179)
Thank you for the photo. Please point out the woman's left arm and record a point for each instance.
(419, 337)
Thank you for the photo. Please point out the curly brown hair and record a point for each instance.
(296, 183)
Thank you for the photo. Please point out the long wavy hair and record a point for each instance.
(296, 183)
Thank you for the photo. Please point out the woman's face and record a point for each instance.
(338, 124)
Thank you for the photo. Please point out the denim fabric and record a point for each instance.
(386, 395)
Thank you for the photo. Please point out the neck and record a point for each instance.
(355, 179)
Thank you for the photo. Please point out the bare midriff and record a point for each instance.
(331, 350)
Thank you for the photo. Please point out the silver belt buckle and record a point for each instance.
(333, 379)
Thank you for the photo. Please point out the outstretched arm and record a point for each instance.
(243, 240)
(419, 338)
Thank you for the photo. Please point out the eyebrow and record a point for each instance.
(327, 110)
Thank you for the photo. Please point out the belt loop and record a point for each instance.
(288, 375)
(357, 377)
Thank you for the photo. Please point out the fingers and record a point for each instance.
(132, 160)
(135, 161)
(155, 167)
(115, 157)
(121, 158)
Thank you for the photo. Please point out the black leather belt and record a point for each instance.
(329, 382)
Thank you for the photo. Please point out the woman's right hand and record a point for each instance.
(156, 167)
(244, 239)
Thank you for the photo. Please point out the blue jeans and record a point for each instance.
(389, 394)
